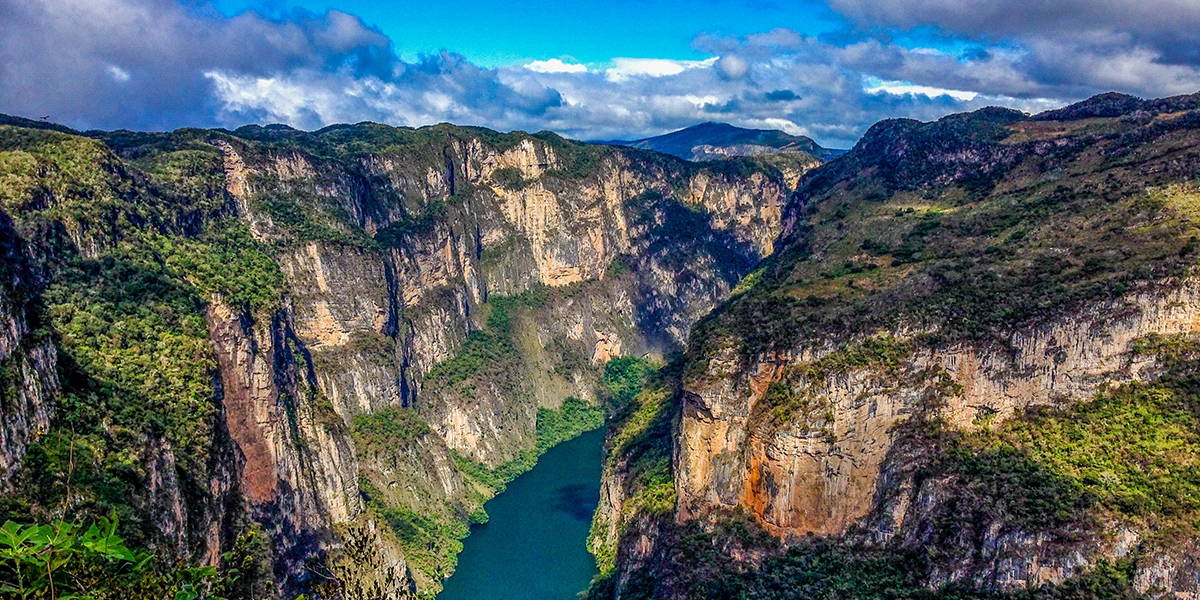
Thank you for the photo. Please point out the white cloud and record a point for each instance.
(900, 88)
(625, 68)
(555, 65)
(160, 64)
(118, 74)
(733, 67)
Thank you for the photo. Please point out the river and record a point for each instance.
(534, 545)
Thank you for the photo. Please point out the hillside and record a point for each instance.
(711, 141)
(968, 371)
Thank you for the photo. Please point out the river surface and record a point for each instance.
(534, 545)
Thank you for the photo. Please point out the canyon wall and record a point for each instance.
(393, 309)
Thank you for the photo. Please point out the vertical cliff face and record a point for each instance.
(29, 361)
(406, 250)
(342, 340)
(975, 341)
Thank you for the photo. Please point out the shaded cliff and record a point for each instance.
(341, 342)
(967, 370)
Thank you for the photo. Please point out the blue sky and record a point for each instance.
(492, 34)
(828, 69)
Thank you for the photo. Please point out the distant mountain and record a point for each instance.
(710, 141)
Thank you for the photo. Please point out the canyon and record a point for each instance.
(957, 360)
(376, 318)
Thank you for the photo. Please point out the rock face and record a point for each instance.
(800, 480)
(467, 277)
(911, 317)
(28, 361)
(481, 222)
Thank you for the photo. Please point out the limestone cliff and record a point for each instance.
(939, 368)
(477, 221)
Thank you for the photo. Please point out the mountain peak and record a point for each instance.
(711, 140)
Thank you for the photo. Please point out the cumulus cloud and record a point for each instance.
(625, 68)
(1162, 20)
(120, 63)
(158, 64)
(1074, 47)
(733, 67)
(555, 65)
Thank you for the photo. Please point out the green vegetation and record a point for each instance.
(789, 400)
(574, 417)
(554, 427)
(130, 261)
(224, 260)
(1132, 452)
(966, 230)
(576, 160)
(641, 396)
(509, 178)
(301, 223)
(490, 351)
(431, 545)
(130, 325)
(66, 561)
(393, 235)
(617, 268)
(624, 377)
(386, 429)
(747, 283)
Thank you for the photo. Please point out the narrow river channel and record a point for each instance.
(534, 546)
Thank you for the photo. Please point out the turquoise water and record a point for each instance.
(534, 546)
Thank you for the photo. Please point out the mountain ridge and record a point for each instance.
(713, 140)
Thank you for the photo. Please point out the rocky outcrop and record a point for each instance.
(377, 319)
(397, 251)
(392, 258)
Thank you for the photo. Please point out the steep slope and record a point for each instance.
(968, 370)
(711, 141)
(323, 351)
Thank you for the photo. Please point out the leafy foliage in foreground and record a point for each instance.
(130, 259)
(65, 561)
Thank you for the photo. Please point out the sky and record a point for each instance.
(587, 69)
